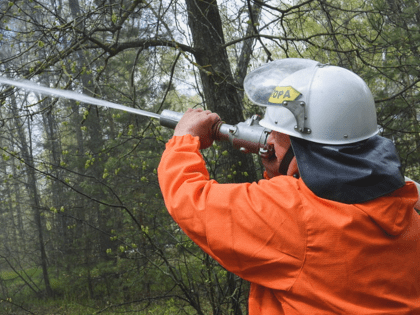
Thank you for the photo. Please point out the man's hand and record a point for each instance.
(198, 123)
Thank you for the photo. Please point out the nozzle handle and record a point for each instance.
(169, 118)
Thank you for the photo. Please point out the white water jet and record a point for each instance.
(31, 86)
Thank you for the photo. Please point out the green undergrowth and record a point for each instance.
(111, 287)
(166, 282)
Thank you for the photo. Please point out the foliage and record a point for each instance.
(84, 227)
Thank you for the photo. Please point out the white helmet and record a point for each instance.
(308, 100)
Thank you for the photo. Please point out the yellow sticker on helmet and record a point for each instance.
(283, 93)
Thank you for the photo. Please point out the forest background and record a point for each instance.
(84, 229)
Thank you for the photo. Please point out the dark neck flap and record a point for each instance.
(351, 173)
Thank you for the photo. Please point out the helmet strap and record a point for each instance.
(287, 159)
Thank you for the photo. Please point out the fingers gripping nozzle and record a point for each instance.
(248, 136)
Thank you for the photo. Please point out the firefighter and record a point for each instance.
(331, 229)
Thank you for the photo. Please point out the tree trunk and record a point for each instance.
(62, 244)
(26, 149)
(221, 96)
(246, 51)
(219, 88)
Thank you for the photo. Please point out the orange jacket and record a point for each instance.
(302, 254)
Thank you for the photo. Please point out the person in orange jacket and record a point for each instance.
(332, 228)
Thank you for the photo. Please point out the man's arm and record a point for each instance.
(251, 229)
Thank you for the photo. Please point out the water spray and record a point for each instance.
(248, 136)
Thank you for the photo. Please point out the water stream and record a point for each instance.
(31, 86)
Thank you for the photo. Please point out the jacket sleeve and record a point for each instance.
(253, 230)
